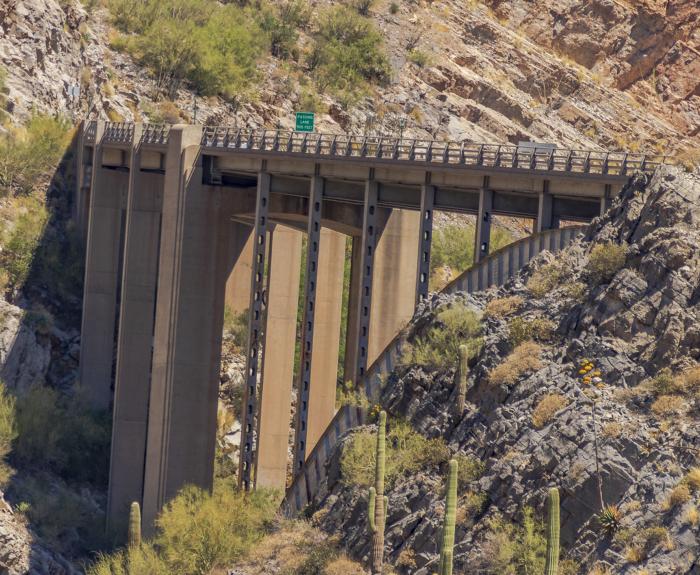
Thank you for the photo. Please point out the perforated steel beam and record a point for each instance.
(483, 221)
(369, 244)
(313, 244)
(425, 240)
(255, 330)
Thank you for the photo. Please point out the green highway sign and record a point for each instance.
(305, 122)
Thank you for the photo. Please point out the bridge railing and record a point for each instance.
(431, 151)
(491, 271)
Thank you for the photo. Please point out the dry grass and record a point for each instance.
(547, 278)
(606, 260)
(692, 517)
(600, 570)
(503, 306)
(407, 558)
(343, 566)
(692, 479)
(666, 405)
(546, 409)
(679, 495)
(524, 358)
(612, 430)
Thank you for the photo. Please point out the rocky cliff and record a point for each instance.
(533, 426)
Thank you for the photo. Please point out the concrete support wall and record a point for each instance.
(394, 282)
(350, 363)
(102, 268)
(195, 261)
(238, 284)
(483, 222)
(134, 352)
(324, 363)
(278, 362)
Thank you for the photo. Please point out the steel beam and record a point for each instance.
(425, 241)
(256, 328)
(307, 338)
(369, 243)
(483, 221)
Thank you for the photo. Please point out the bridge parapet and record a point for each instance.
(431, 152)
(155, 134)
(494, 270)
(119, 132)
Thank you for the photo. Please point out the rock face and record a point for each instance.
(609, 73)
(631, 325)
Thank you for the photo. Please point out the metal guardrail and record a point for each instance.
(491, 271)
(91, 132)
(430, 152)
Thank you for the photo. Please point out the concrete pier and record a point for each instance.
(278, 359)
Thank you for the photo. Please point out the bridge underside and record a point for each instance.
(177, 231)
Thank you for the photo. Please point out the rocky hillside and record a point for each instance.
(624, 431)
(610, 73)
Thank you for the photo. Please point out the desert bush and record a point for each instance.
(524, 358)
(348, 53)
(419, 57)
(362, 6)
(213, 46)
(503, 306)
(471, 505)
(281, 21)
(691, 517)
(547, 278)
(8, 430)
(645, 541)
(341, 565)
(612, 430)
(32, 152)
(62, 434)
(469, 469)
(692, 479)
(666, 405)
(406, 452)
(605, 261)
(521, 330)
(515, 549)
(547, 408)
(679, 495)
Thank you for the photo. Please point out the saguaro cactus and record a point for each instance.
(448, 529)
(552, 566)
(134, 536)
(463, 372)
(378, 503)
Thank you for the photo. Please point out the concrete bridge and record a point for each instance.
(181, 220)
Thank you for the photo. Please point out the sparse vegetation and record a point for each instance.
(666, 405)
(406, 452)
(547, 278)
(538, 329)
(503, 306)
(610, 519)
(524, 358)
(679, 495)
(419, 57)
(605, 261)
(644, 541)
(547, 408)
(236, 326)
(470, 469)
(8, 430)
(439, 347)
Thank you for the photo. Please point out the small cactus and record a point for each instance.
(552, 566)
(448, 530)
(134, 536)
(378, 503)
(463, 372)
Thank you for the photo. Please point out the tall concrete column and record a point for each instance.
(135, 342)
(324, 364)
(238, 283)
(110, 184)
(350, 360)
(394, 283)
(483, 222)
(606, 200)
(195, 261)
(278, 358)
(545, 214)
(86, 163)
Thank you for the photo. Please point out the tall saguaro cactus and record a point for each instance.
(448, 529)
(552, 566)
(134, 536)
(378, 503)
(463, 372)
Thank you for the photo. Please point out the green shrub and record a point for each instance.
(406, 452)
(439, 346)
(348, 53)
(236, 326)
(469, 470)
(419, 57)
(362, 6)
(605, 261)
(213, 46)
(281, 22)
(61, 434)
(30, 153)
(8, 430)
(515, 549)
(547, 278)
